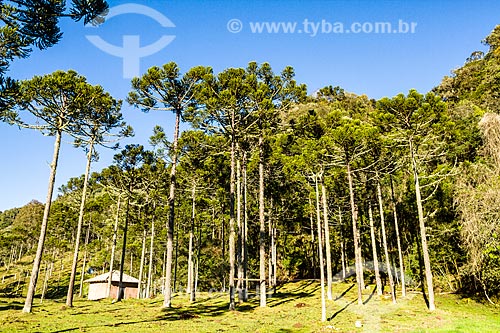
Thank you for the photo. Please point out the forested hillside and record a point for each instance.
(269, 185)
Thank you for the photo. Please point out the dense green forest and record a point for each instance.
(270, 185)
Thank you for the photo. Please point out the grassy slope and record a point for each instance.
(294, 308)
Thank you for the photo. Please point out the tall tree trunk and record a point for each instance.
(223, 231)
(191, 278)
(151, 251)
(82, 275)
(313, 247)
(245, 230)
(223, 241)
(274, 253)
(320, 250)
(395, 272)
(167, 302)
(197, 259)
(262, 230)
(69, 297)
(355, 232)
(164, 271)
(121, 288)
(214, 225)
(11, 256)
(61, 269)
(269, 259)
(423, 233)
(196, 276)
(360, 257)
(140, 290)
(327, 241)
(384, 241)
(45, 281)
(398, 239)
(342, 246)
(113, 246)
(51, 270)
(189, 281)
(374, 251)
(272, 248)
(20, 254)
(130, 271)
(43, 229)
(176, 257)
(232, 242)
(239, 251)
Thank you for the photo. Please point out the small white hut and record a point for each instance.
(98, 286)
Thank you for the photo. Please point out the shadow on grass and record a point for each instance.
(282, 297)
(213, 306)
(371, 296)
(351, 302)
(341, 310)
(55, 291)
(96, 312)
(13, 289)
(422, 274)
(303, 286)
(345, 292)
(11, 306)
(176, 314)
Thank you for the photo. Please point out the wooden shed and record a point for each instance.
(98, 286)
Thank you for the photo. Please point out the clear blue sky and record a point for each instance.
(377, 65)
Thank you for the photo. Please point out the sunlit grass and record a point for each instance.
(295, 307)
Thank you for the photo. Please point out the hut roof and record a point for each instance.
(115, 277)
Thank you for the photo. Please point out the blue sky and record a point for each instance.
(377, 65)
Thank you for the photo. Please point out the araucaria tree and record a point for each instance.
(165, 89)
(28, 23)
(125, 176)
(418, 123)
(235, 102)
(222, 100)
(347, 134)
(269, 95)
(99, 121)
(60, 103)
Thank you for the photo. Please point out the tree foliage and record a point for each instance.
(35, 23)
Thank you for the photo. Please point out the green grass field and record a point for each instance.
(295, 307)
